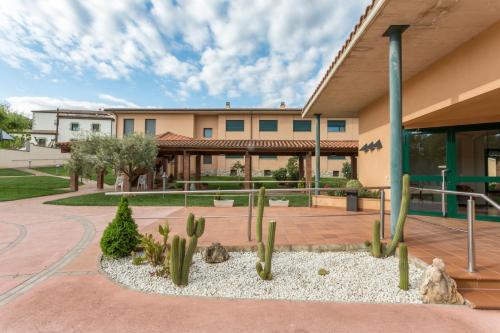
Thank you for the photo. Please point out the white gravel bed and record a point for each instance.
(354, 277)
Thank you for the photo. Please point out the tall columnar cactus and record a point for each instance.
(180, 257)
(403, 211)
(265, 272)
(258, 225)
(376, 246)
(403, 267)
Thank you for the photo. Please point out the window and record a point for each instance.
(268, 125)
(150, 127)
(96, 127)
(336, 157)
(234, 156)
(207, 133)
(268, 173)
(235, 125)
(302, 126)
(74, 127)
(207, 159)
(336, 125)
(335, 173)
(268, 157)
(42, 142)
(128, 126)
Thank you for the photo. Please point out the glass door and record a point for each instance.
(462, 158)
(478, 168)
(425, 159)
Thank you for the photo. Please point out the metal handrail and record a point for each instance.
(459, 193)
(471, 218)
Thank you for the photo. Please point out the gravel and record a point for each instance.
(353, 277)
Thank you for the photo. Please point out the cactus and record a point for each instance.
(376, 246)
(403, 211)
(258, 224)
(403, 267)
(180, 257)
(265, 272)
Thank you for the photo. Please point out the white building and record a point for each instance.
(52, 126)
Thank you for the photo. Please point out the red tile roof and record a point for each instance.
(167, 136)
(346, 146)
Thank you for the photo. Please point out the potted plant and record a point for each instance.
(221, 202)
(278, 202)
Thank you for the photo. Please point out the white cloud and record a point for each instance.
(270, 50)
(26, 104)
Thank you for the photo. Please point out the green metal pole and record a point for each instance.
(317, 152)
(396, 122)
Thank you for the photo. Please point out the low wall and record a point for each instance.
(340, 202)
(39, 156)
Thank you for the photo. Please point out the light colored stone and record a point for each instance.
(437, 287)
(215, 254)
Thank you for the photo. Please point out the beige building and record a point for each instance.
(450, 117)
(239, 124)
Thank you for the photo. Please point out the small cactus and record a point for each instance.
(403, 211)
(265, 272)
(376, 246)
(403, 267)
(258, 223)
(180, 257)
(323, 271)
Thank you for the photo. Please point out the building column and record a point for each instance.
(248, 170)
(308, 169)
(186, 169)
(317, 152)
(395, 110)
(354, 167)
(100, 178)
(197, 171)
(301, 167)
(150, 180)
(73, 181)
(176, 167)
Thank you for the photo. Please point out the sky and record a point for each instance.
(92, 54)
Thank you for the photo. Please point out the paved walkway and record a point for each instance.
(49, 281)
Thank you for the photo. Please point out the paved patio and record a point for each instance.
(49, 280)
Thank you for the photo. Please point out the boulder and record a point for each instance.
(215, 253)
(437, 287)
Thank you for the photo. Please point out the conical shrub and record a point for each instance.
(120, 237)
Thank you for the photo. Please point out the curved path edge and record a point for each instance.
(88, 235)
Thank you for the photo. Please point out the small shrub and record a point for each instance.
(280, 174)
(354, 183)
(346, 170)
(323, 271)
(292, 168)
(120, 237)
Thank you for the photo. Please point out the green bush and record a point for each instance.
(120, 236)
(354, 183)
(292, 168)
(280, 174)
(347, 170)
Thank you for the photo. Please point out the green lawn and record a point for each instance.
(31, 186)
(99, 199)
(109, 178)
(13, 172)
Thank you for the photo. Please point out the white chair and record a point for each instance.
(119, 182)
(142, 181)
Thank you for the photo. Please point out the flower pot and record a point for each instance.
(223, 203)
(278, 203)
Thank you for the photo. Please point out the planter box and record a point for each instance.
(340, 202)
(278, 203)
(223, 203)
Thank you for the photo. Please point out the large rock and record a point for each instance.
(437, 287)
(215, 253)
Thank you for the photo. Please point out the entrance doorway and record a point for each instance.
(462, 158)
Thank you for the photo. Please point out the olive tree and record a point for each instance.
(130, 155)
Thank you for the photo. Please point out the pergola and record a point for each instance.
(171, 146)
